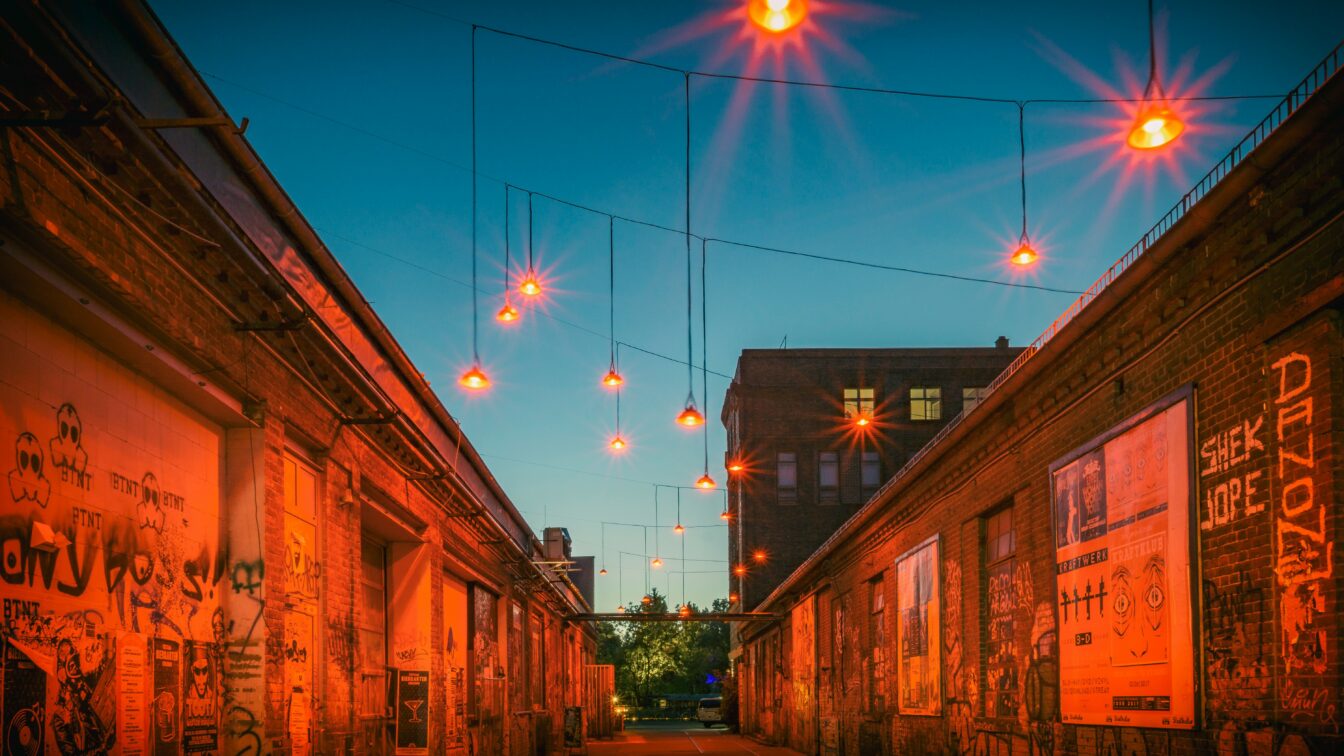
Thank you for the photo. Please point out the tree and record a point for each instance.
(654, 658)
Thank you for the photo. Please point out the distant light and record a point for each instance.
(777, 15)
(530, 287)
(740, 570)
(1024, 255)
(507, 314)
(759, 556)
(612, 379)
(617, 443)
(863, 419)
(732, 597)
(690, 417)
(705, 483)
(620, 609)
(646, 600)
(615, 699)
(678, 529)
(475, 379)
(1156, 126)
(684, 611)
(656, 563)
(725, 516)
(735, 466)
(602, 571)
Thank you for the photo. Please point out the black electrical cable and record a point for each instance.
(704, 350)
(475, 309)
(611, 286)
(1022, 155)
(506, 244)
(530, 271)
(690, 349)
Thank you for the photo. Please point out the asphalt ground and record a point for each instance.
(680, 737)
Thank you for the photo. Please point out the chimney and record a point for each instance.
(556, 544)
(1001, 342)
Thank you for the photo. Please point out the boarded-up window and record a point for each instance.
(1000, 660)
(372, 624)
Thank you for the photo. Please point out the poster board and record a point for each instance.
(1121, 511)
(412, 711)
(919, 611)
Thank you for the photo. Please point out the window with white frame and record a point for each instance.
(926, 403)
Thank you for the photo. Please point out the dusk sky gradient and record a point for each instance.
(361, 110)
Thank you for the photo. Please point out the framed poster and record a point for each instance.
(1121, 510)
(918, 627)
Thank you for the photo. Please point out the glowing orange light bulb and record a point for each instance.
(863, 419)
(690, 417)
(1156, 126)
(759, 556)
(776, 15)
(617, 444)
(1024, 255)
(678, 529)
(530, 287)
(705, 482)
(602, 571)
(646, 600)
(732, 597)
(612, 379)
(736, 467)
(740, 570)
(684, 611)
(656, 563)
(507, 314)
(725, 516)
(620, 609)
(474, 379)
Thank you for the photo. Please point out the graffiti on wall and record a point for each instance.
(1235, 645)
(961, 675)
(803, 678)
(1231, 475)
(1303, 548)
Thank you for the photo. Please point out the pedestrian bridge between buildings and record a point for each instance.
(673, 617)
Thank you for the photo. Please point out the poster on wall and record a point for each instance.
(412, 711)
(918, 627)
(200, 698)
(166, 732)
(803, 677)
(1121, 511)
(455, 662)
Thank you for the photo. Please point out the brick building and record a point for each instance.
(237, 519)
(1128, 546)
(817, 431)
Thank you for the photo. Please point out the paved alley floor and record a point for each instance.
(679, 738)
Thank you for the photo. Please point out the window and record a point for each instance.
(828, 476)
(858, 401)
(926, 403)
(972, 396)
(870, 471)
(537, 665)
(372, 624)
(1000, 654)
(786, 475)
(877, 633)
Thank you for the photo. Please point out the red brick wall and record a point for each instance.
(1235, 312)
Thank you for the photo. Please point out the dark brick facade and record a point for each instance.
(1238, 305)
(162, 285)
(792, 401)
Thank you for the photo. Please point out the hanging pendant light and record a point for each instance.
(617, 443)
(776, 16)
(1025, 254)
(678, 529)
(1155, 125)
(690, 417)
(656, 563)
(475, 378)
(602, 571)
(705, 483)
(508, 313)
(531, 285)
(612, 379)
(725, 516)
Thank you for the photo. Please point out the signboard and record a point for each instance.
(412, 711)
(918, 628)
(1121, 510)
(200, 698)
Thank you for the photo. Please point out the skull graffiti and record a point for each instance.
(148, 511)
(66, 449)
(26, 481)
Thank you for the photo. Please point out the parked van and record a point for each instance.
(710, 711)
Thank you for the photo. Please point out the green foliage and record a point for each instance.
(658, 658)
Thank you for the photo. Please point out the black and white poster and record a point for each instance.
(164, 726)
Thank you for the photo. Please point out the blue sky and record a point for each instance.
(361, 110)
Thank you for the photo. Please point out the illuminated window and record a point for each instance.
(877, 634)
(926, 403)
(999, 659)
(972, 396)
(372, 625)
(870, 472)
(828, 476)
(786, 475)
(858, 401)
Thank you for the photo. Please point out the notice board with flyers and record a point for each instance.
(1121, 513)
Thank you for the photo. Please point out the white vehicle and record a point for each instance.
(709, 711)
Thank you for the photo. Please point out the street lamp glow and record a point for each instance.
(725, 516)
(530, 287)
(474, 379)
(705, 483)
(777, 16)
(863, 419)
(1156, 126)
(612, 379)
(736, 466)
(507, 314)
(678, 529)
(690, 417)
(1024, 255)
(740, 570)
(759, 556)
(602, 571)
(617, 444)
(656, 563)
